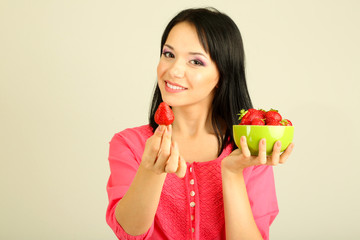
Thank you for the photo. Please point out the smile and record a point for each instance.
(174, 87)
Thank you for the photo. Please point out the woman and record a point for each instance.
(188, 180)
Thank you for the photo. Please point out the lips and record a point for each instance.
(173, 87)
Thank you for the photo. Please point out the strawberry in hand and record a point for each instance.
(164, 115)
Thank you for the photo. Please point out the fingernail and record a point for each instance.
(159, 128)
(168, 128)
(263, 141)
(278, 144)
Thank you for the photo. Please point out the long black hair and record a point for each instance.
(221, 39)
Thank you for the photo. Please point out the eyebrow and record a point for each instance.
(191, 53)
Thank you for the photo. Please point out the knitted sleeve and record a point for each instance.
(124, 160)
(262, 196)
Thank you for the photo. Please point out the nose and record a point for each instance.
(177, 70)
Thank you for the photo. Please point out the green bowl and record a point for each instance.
(254, 133)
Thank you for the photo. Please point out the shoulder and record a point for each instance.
(141, 133)
(133, 139)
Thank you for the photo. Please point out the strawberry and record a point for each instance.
(273, 122)
(263, 112)
(164, 115)
(248, 116)
(243, 117)
(258, 121)
(286, 122)
(272, 114)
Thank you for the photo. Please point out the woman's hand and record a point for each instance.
(238, 160)
(135, 212)
(161, 155)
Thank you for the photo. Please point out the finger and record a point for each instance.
(159, 132)
(244, 147)
(275, 156)
(181, 171)
(173, 162)
(154, 142)
(285, 155)
(262, 151)
(164, 151)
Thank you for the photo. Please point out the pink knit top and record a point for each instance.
(191, 207)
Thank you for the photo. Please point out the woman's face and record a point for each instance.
(186, 73)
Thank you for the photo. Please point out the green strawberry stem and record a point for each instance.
(242, 113)
(284, 122)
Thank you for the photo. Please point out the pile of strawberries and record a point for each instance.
(261, 117)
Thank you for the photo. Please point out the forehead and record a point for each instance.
(184, 35)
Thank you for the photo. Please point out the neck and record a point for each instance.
(191, 121)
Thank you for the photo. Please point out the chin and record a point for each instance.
(172, 101)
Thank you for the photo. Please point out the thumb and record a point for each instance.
(182, 168)
(153, 144)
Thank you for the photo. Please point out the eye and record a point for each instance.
(197, 62)
(168, 54)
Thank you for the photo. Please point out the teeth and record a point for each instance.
(174, 87)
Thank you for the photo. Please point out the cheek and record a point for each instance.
(209, 80)
(161, 69)
(214, 78)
